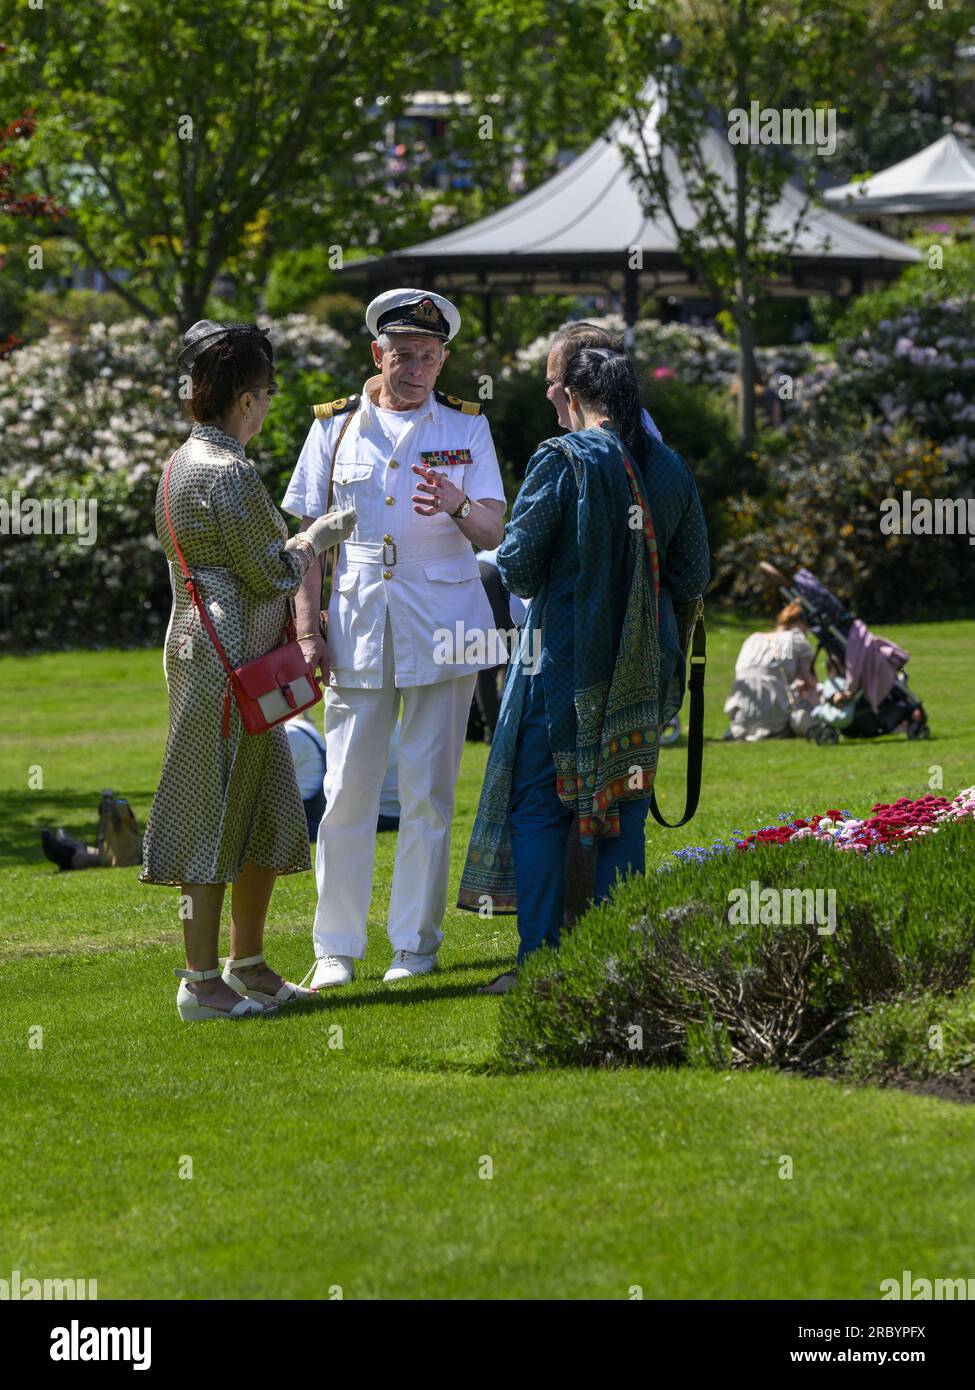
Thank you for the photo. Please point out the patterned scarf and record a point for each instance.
(613, 756)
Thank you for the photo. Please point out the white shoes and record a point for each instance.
(408, 963)
(329, 971)
(193, 1010)
(287, 994)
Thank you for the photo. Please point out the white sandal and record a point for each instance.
(287, 994)
(192, 1010)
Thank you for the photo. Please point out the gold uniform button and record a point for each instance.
(387, 574)
(390, 501)
(394, 463)
(387, 540)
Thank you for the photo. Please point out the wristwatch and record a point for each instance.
(464, 509)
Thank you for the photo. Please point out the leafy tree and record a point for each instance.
(17, 205)
(534, 77)
(916, 84)
(190, 143)
(709, 59)
(179, 135)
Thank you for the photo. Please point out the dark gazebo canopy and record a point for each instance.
(575, 234)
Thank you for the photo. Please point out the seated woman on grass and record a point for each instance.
(775, 687)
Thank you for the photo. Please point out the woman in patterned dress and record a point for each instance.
(227, 809)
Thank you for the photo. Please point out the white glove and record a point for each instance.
(325, 531)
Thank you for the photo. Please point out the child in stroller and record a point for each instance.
(837, 703)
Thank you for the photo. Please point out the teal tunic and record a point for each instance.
(581, 545)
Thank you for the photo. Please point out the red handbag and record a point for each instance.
(268, 690)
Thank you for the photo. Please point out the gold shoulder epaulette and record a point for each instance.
(455, 403)
(327, 409)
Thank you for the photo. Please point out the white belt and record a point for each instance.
(358, 553)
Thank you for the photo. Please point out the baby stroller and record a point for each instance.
(885, 703)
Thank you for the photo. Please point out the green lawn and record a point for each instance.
(360, 1166)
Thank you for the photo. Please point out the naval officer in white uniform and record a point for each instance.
(420, 469)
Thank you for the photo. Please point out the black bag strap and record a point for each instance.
(695, 731)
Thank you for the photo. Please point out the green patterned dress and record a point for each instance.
(222, 802)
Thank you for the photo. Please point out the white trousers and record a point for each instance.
(358, 727)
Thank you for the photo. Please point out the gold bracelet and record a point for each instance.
(301, 637)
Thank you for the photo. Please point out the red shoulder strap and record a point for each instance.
(649, 532)
(194, 594)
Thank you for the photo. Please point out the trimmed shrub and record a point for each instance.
(296, 277)
(664, 974)
(686, 375)
(700, 424)
(72, 312)
(892, 413)
(926, 1036)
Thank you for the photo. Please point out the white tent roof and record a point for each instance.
(575, 231)
(940, 178)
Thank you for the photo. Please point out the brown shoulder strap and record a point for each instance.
(330, 552)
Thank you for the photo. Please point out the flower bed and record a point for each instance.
(888, 827)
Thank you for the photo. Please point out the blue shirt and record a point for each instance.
(649, 426)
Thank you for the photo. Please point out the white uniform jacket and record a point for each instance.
(422, 568)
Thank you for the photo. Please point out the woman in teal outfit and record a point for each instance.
(575, 749)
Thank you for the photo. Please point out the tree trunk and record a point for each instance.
(747, 379)
(742, 307)
(192, 303)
